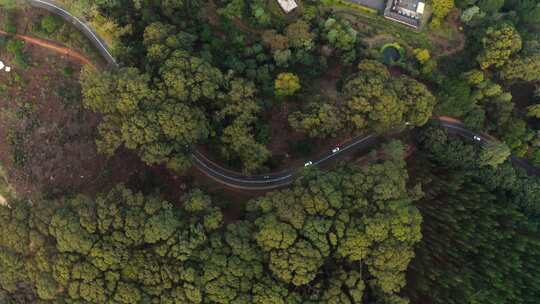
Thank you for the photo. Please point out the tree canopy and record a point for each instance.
(480, 231)
(376, 100)
(329, 238)
(499, 43)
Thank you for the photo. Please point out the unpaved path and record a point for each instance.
(52, 46)
(454, 46)
(213, 18)
(378, 39)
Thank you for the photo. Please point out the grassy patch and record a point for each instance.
(397, 47)
(371, 25)
(394, 45)
(353, 6)
(6, 191)
(41, 24)
(64, 33)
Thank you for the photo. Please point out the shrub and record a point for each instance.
(51, 23)
(14, 46)
(20, 60)
(9, 24)
(67, 71)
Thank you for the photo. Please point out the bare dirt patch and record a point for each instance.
(450, 46)
(328, 83)
(46, 137)
(67, 38)
(52, 46)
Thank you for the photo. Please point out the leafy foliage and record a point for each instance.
(287, 84)
(375, 99)
(123, 247)
(499, 43)
(482, 221)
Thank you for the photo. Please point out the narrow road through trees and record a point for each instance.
(284, 178)
(52, 46)
(57, 9)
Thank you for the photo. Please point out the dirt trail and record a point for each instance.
(448, 119)
(52, 46)
(213, 18)
(450, 47)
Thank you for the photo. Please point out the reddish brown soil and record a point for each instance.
(327, 83)
(280, 131)
(59, 150)
(450, 47)
(52, 46)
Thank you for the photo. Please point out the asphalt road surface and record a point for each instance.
(271, 180)
(57, 9)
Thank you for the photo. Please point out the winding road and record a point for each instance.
(57, 9)
(283, 178)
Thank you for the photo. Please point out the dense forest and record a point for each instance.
(99, 202)
(338, 237)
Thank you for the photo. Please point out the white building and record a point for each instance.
(287, 5)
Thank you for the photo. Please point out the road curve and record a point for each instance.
(459, 128)
(57, 9)
(276, 180)
(279, 179)
(283, 178)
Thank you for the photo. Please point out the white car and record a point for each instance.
(477, 138)
(309, 163)
(407, 123)
(336, 149)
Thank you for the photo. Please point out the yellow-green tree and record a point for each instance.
(493, 154)
(341, 222)
(422, 55)
(499, 43)
(376, 100)
(286, 84)
(525, 68)
(441, 8)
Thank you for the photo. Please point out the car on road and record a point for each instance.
(336, 149)
(266, 176)
(477, 138)
(309, 163)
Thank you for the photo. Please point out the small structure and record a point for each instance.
(4, 67)
(408, 12)
(287, 5)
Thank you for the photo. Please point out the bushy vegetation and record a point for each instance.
(341, 236)
(480, 233)
(228, 75)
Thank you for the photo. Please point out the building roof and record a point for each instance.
(420, 8)
(408, 12)
(287, 5)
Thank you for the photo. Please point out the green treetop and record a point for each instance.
(500, 43)
(287, 84)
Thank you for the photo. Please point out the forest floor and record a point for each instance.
(46, 137)
(450, 46)
(28, 24)
(282, 138)
(52, 46)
